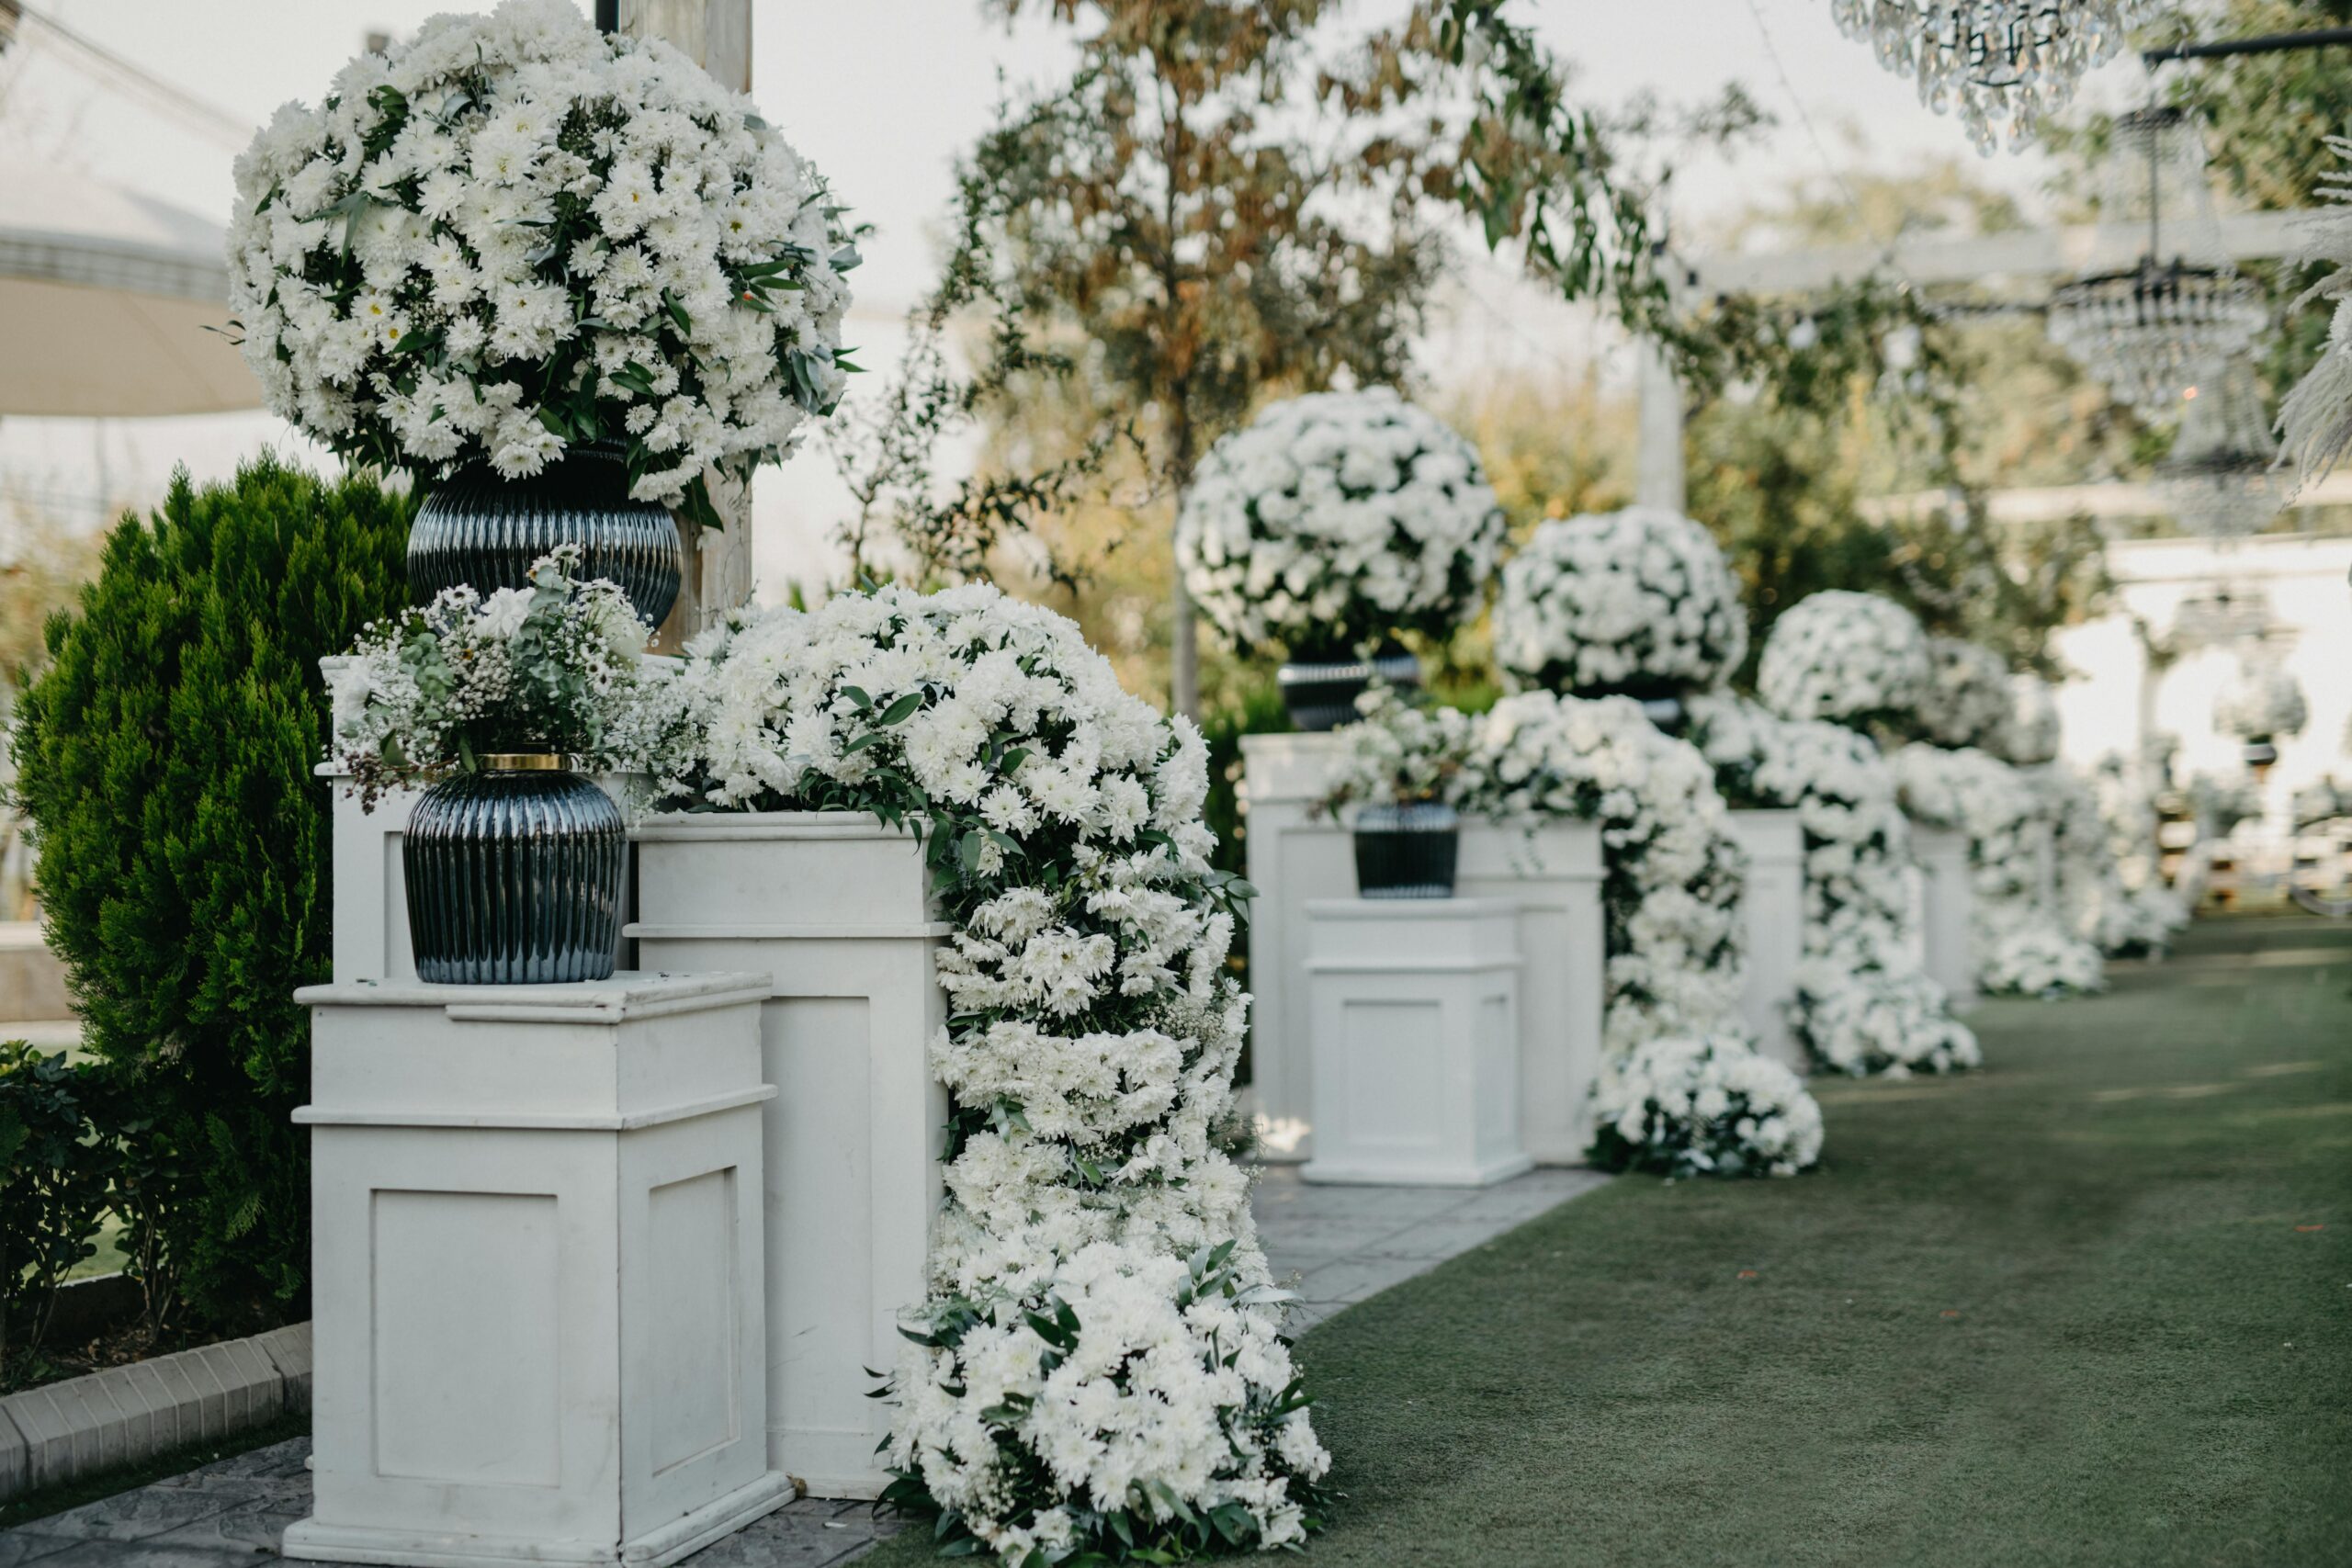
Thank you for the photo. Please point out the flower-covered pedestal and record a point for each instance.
(833, 909)
(535, 1213)
(1771, 903)
(1946, 911)
(1553, 870)
(1415, 1014)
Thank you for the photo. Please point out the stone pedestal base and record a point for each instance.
(1772, 911)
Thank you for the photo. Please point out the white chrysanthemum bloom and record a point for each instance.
(2264, 703)
(2141, 914)
(1968, 702)
(1706, 1105)
(1862, 1004)
(2022, 943)
(2030, 733)
(1336, 519)
(1638, 603)
(1853, 658)
(1102, 1335)
(512, 233)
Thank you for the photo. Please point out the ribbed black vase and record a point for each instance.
(1407, 850)
(514, 876)
(1321, 692)
(478, 528)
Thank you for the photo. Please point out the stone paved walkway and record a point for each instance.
(1334, 1245)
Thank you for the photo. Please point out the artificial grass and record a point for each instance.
(2078, 1308)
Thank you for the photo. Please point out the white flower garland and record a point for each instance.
(2264, 703)
(1101, 1357)
(1862, 1005)
(1336, 519)
(1851, 658)
(2022, 946)
(512, 233)
(1638, 601)
(1705, 1105)
(1968, 701)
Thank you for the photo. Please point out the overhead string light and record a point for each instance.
(2000, 65)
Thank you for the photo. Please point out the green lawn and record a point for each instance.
(2078, 1308)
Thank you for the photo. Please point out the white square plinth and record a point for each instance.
(1771, 907)
(832, 910)
(1415, 1021)
(1945, 904)
(537, 1262)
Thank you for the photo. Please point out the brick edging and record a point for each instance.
(63, 1431)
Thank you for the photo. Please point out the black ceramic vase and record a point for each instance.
(1321, 692)
(1407, 851)
(514, 876)
(480, 529)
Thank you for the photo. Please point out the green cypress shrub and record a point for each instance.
(164, 760)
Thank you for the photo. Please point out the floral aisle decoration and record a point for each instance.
(1862, 1004)
(1403, 772)
(512, 864)
(2022, 946)
(1098, 1368)
(1337, 520)
(1967, 700)
(514, 234)
(1638, 603)
(2264, 703)
(1705, 1105)
(1851, 658)
(2110, 882)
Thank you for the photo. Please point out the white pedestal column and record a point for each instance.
(1947, 906)
(1553, 871)
(1414, 1005)
(833, 909)
(1773, 910)
(536, 1260)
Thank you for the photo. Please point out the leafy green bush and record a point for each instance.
(165, 762)
(53, 1188)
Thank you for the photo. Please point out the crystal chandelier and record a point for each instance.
(2220, 480)
(2002, 63)
(2155, 329)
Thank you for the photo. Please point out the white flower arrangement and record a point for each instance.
(1704, 1105)
(1638, 603)
(1673, 871)
(514, 233)
(2220, 804)
(2264, 703)
(1862, 1003)
(1851, 658)
(555, 667)
(2029, 733)
(1336, 519)
(1968, 701)
(1099, 1366)
(1400, 753)
(2022, 943)
(2109, 890)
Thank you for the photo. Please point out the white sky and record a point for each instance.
(882, 94)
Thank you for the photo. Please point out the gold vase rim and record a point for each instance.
(524, 761)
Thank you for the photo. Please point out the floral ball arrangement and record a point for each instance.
(1098, 1368)
(1968, 700)
(1638, 603)
(2264, 703)
(1704, 1106)
(514, 234)
(1862, 1004)
(556, 666)
(2029, 733)
(1850, 658)
(1336, 519)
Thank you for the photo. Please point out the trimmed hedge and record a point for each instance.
(165, 761)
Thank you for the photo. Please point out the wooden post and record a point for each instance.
(717, 36)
